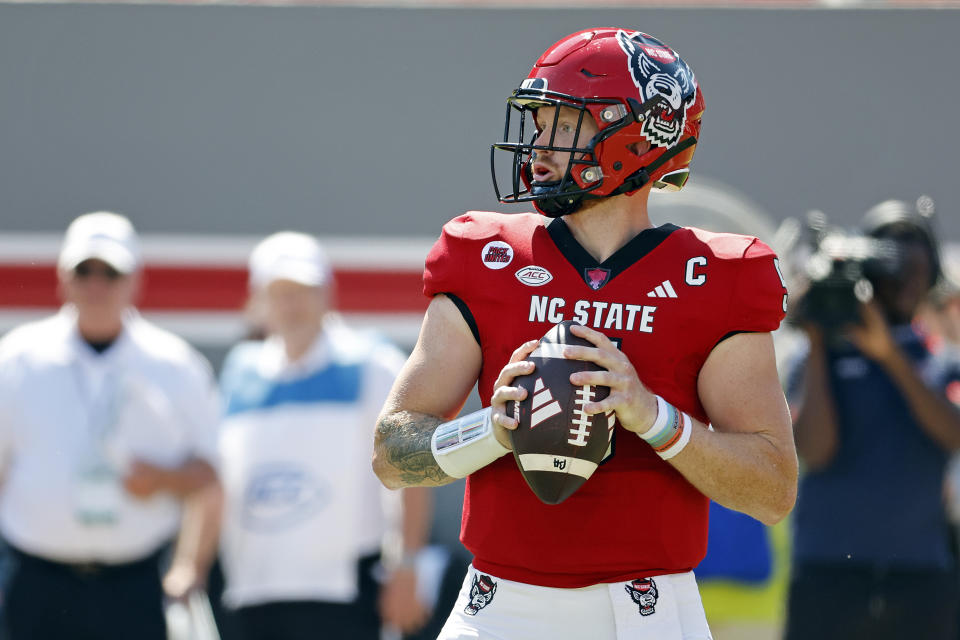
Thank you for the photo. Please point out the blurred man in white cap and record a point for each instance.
(107, 433)
(307, 525)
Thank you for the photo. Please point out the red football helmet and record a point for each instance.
(635, 88)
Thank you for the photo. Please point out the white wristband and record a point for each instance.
(679, 445)
(466, 444)
(670, 432)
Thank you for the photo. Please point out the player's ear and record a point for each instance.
(255, 312)
(136, 285)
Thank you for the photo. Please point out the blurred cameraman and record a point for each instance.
(872, 554)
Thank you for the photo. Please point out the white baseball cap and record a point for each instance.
(289, 255)
(102, 235)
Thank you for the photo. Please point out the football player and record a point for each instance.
(604, 116)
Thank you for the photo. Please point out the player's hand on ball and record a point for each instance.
(503, 392)
(634, 404)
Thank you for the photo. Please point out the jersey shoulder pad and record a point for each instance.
(473, 239)
(752, 278)
(726, 246)
(489, 225)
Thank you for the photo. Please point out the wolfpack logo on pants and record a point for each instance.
(481, 593)
(644, 593)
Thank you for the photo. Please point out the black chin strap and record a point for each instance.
(642, 176)
(561, 204)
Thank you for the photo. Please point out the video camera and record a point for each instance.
(843, 269)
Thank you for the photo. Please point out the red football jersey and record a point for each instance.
(669, 295)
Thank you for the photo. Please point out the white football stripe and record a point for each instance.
(669, 289)
(660, 292)
(545, 462)
(541, 398)
(544, 413)
(538, 385)
(548, 350)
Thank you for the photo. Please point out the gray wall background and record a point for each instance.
(347, 120)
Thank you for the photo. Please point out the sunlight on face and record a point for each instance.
(551, 165)
(98, 292)
(291, 306)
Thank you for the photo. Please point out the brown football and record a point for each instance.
(557, 446)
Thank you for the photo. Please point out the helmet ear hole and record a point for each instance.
(640, 148)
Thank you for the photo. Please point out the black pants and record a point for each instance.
(52, 601)
(314, 622)
(310, 620)
(853, 603)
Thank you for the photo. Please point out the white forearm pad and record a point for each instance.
(466, 444)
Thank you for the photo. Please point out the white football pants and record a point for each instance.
(666, 607)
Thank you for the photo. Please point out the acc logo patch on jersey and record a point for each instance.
(533, 276)
(497, 254)
(644, 593)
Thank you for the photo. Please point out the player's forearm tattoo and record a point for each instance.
(403, 439)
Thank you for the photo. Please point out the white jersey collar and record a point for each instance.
(80, 349)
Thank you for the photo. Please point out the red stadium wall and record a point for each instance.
(200, 289)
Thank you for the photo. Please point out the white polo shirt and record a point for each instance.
(69, 414)
(302, 501)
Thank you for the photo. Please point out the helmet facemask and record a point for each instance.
(585, 173)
